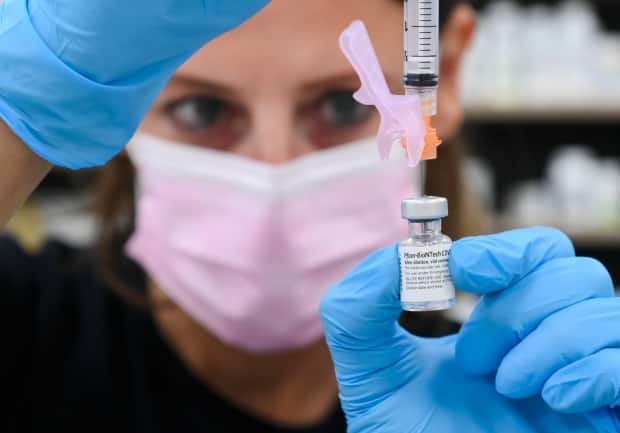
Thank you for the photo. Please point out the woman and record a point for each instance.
(230, 338)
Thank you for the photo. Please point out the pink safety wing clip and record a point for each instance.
(402, 117)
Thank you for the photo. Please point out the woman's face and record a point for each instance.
(279, 87)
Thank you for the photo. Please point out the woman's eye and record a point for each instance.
(339, 109)
(336, 118)
(207, 121)
(197, 112)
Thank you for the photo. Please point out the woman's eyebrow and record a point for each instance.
(331, 81)
(218, 89)
(214, 88)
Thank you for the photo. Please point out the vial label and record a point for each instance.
(424, 273)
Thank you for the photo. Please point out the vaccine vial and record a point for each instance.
(425, 282)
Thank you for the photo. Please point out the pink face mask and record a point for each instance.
(248, 249)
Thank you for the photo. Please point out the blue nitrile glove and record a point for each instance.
(545, 309)
(549, 322)
(77, 76)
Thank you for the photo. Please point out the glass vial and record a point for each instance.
(425, 282)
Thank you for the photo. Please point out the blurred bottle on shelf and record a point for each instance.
(580, 193)
(542, 57)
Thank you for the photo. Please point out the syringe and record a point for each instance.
(421, 69)
(421, 75)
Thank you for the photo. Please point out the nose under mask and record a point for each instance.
(248, 249)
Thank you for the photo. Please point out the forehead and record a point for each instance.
(297, 39)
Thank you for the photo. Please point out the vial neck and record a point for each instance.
(422, 229)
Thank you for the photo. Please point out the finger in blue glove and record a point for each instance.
(526, 275)
(541, 321)
(587, 384)
(392, 381)
(565, 337)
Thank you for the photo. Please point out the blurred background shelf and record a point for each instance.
(603, 239)
(607, 9)
(596, 241)
(555, 114)
(541, 87)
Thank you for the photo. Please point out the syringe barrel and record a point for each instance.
(421, 37)
(421, 57)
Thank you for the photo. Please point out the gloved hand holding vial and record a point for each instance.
(531, 359)
(530, 280)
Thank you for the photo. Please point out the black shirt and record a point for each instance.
(76, 357)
